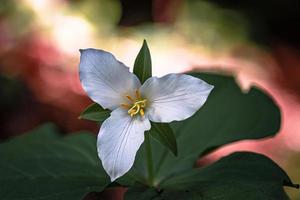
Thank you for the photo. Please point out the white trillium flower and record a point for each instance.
(108, 82)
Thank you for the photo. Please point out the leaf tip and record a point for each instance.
(290, 184)
(145, 44)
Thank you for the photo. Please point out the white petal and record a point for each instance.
(119, 139)
(174, 97)
(106, 80)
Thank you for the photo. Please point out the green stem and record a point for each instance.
(149, 159)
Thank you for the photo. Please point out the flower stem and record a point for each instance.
(149, 159)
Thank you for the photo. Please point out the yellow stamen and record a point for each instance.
(130, 98)
(137, 94)
(142, 112)
(126, 106)
(134, 110)
(141, 102)
(138, 105)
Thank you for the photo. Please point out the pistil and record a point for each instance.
(138, 105)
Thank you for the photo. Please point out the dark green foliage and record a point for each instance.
(229, 115)
(95, 112)
(43, 165)
(142, 64)
(163, 133)
(242, 175)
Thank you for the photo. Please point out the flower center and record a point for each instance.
(137, 106)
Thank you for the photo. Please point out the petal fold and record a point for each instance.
(174, 97)
(119, 139)
(106, 80)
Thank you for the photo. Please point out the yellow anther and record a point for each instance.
(126, 106)
(137, 106)
(137, 94)
(130, 98)
(142, 112)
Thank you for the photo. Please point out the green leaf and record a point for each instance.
(242, 175)
(142, 65)
(95, 112)
(43, 165)
(229, 115)
(163, 133)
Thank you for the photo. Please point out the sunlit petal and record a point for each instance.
(119, 139)
(106, 80)
(174, 97)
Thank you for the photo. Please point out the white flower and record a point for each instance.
(108, 82)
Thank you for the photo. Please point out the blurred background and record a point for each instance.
(256, 41)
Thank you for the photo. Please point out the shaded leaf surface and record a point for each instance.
(163, 133)
(43, 165)
(228, 115)
(95, 112)
(242, 175)
(142, 64)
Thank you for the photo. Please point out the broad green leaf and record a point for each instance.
(163, 133)
(229, 115)
(142, 65)
(43, 165)
(95, 112)
(243, 175)
(48, 131)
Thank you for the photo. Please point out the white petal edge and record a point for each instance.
(119, 139)
(106, 80)
(174, 97)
